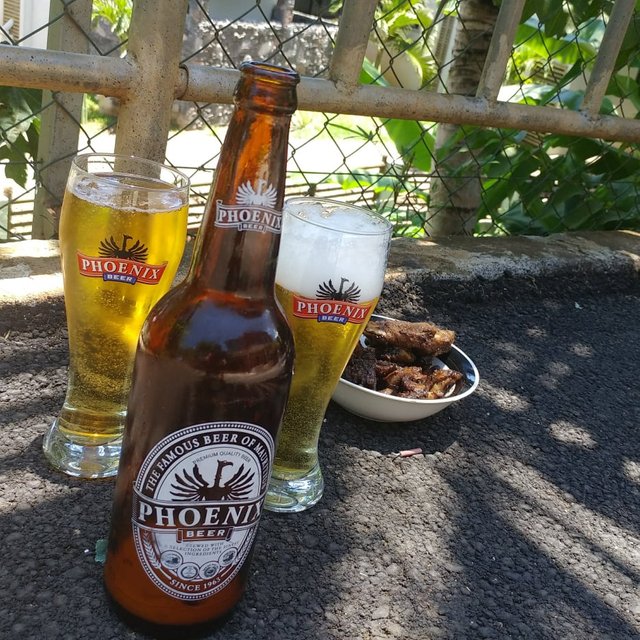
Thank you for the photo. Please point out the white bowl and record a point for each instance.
(382, 407)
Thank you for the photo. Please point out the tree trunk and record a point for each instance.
(455, 198)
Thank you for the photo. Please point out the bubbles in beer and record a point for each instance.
(342, 242)
(105, 316)
(146, 194)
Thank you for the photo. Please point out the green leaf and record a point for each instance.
(531, 7)
(493, 197)
(582, 148)
(625, 87)
(555, 22)
(413, 142)
(16, 171)
(17, 108)
(19, 155)
(370, 74)
(532, 43)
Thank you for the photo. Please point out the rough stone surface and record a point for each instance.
(521, 520)
(32, 268)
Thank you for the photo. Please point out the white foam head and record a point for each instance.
(324, 240)
(154, 196)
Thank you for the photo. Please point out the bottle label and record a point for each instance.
(253, 211)
(197, 501)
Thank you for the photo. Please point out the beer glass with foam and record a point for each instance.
(328, 280)
(122, 232)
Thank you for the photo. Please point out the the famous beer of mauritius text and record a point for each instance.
(105, 315)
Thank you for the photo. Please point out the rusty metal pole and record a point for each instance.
(617, 26)
(500, 48)
(154, 50)
(355, 27)
(60, 126)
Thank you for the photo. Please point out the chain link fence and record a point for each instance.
(428, 178)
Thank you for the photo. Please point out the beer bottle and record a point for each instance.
(211, 378)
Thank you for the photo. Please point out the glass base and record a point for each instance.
(95, 460)
(290, 496)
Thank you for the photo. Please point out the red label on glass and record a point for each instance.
(120, 270)
(330, 310)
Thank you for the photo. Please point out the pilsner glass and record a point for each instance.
(122, 232)
(329, 278)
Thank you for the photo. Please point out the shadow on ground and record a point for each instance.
(519, 520)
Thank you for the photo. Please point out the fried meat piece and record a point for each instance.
(361, 368)
(423, 338)
(384, 369)
(444, 382)
(422, 384)
(396, 355)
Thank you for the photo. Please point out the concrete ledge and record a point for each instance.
(30, 270)
(464, 258)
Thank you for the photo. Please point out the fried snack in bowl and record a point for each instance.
(403, 371)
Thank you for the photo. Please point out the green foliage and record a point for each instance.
(533, 184)
(19, 130)
(401, 26)
(116, 12)
(411, 139)
(391, 197)
(561, 184)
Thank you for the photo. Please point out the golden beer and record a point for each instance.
(322, 352)
(121, 240)
(328, 281)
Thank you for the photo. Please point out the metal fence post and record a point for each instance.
(60, 127)
(154, 49)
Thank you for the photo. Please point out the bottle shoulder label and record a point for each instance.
(253, 210)
(197, 501)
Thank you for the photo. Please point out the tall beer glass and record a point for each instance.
(329, 278)
(122, 233)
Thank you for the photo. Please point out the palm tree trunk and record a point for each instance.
(455, 194)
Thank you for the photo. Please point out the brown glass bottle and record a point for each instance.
(210, 382)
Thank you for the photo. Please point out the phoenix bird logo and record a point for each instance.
(193, 486)
(110, 249)
(263, 195)
(327, 291)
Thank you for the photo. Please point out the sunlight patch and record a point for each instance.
(581, 350)
(504, 398)
(631, 470)
(536, 332)
(569, 433)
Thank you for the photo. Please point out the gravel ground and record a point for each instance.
(520, 520)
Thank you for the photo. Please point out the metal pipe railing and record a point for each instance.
(315, 94)
(603, 68)
(150, 77)
(351, 42)
(154, 50)
(207, 84)
(500, 49)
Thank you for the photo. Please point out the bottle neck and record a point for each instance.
(237, 246)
